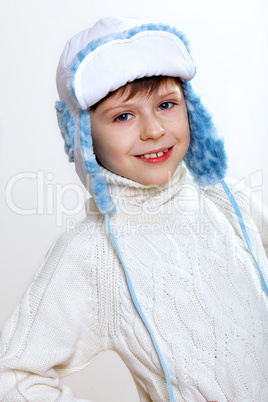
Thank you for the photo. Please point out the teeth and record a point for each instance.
(147, 156)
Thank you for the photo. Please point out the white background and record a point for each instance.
(229, 41)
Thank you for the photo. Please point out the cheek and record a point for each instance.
(187, 134)
(186, 139)
(101, 150)
(97, 147)
(105, 151)
(100, 139)
(182, 131)
(185, 129)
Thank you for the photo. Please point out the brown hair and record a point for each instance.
(144, 86)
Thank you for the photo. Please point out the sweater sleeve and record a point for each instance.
(55, 330)
(256, 211)
(251, 206)
(260, 217)
(143, 396)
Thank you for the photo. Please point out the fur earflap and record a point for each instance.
(206, 157)
(67, 128)
(97, 183)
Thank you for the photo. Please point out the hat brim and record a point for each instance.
(116, 62)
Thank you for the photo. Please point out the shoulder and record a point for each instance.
(74, 251)
(217, 195)
(238, 189)
(253, 211)
(69, 270)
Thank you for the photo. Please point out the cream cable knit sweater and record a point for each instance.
(195, 281)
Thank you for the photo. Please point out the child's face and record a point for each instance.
(143, 138)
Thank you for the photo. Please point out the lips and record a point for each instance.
(157, 156)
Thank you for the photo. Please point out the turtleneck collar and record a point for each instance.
(130, 194)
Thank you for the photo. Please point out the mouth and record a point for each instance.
(156, 157)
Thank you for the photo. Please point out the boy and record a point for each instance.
(174, 291)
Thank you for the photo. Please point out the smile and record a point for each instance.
(156, 157)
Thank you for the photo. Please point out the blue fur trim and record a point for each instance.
(206, 157)
(98, 184)
(118, 35)
(67, 128)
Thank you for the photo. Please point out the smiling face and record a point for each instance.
(143, 137)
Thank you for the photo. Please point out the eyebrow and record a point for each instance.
(130, 102)
(110, 109)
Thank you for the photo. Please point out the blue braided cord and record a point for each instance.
(136, 303)
(244, 230)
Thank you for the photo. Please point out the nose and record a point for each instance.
(152, 128)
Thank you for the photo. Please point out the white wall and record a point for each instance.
(229, 42)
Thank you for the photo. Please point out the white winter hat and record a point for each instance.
(114, 52)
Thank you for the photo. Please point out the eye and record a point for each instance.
(165, 105)
(124, 117)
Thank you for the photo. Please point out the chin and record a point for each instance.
(157, 180)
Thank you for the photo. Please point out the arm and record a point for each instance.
(260, 217)
(254, 212)
(54, 331)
